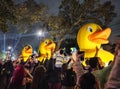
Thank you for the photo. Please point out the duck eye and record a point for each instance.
(46, 42)
(90, 29)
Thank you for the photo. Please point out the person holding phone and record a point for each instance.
(77, 66)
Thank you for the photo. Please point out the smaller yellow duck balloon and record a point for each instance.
(91, 36)
(27, 51)
(46, 49)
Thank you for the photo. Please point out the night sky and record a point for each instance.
(54, 4)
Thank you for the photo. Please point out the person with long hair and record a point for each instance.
(19, 79)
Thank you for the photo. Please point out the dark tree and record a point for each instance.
(22, 15)
(7, 14)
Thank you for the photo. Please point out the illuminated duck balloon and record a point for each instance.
(91, 36)
(46, 49)
(27, 51)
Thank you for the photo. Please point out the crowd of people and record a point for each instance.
(63, 71)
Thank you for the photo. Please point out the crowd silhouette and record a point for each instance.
(63, 71)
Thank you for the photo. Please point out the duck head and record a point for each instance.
(47, 45)
(91, 36)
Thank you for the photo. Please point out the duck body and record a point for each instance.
(46, 48)
(104, 55)
(92, 36)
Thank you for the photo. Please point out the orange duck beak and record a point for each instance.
(100, 36)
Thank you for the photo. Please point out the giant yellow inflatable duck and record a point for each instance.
(90, 37)
(27, 51)
(46, 49)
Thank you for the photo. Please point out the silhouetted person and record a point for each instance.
(39, 78)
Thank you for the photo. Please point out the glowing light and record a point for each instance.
(40, 33)
(9, 47)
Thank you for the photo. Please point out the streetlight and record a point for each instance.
(39, 33)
